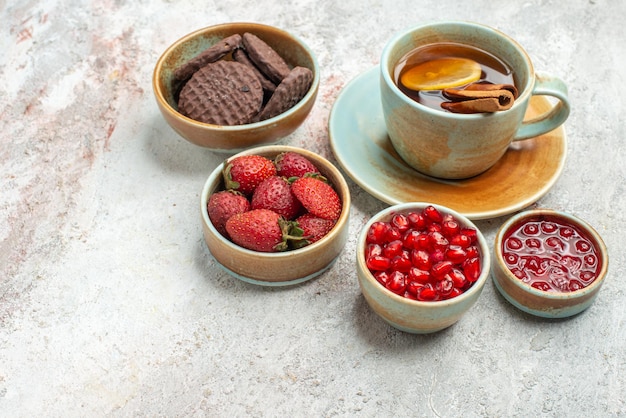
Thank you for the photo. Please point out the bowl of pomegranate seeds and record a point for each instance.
(275, 215)
(549, 263)
(421, 266)
(233, 86)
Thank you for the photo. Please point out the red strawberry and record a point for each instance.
(246, 172)
(317, 196)
(224, 204)
(274, 193)
(314, 228)
(291, 164)
(261, 230)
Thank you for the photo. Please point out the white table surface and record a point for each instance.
(111, 304)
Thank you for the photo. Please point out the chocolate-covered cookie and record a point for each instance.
(292, 89)
(211, 54)
(241, 56)
(222, 93)
(267, 60)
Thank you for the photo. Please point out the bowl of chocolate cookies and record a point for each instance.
(233, 86)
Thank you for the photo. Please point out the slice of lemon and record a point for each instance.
(441, 73)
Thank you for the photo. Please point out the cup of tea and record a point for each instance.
(454, 96)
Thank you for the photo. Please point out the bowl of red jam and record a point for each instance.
(421, 266)
(549, 263)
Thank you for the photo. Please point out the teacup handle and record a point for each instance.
(546, 85)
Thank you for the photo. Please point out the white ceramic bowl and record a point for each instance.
(411, 315)
(280, 268)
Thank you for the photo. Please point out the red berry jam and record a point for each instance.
(424, 255)
(551, 254)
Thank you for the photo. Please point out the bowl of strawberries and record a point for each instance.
(275, 215)
(421, 266)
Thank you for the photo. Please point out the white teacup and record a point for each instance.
(456, 146)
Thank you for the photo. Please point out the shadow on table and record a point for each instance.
(174, 154)
(381, 335)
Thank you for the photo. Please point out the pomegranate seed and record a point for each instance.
(472, 251)
(434, 227)
(396, 282)
(393, 234)
(437, 240)
(447, 217)
(583, 246)
(401, 263)
(450, 228)
(509, 258)
(410, 295)
(400, 221)
(417, 220)
(566, 232)
(519, 273)
(437, 255)
(431, 213)
(541, 286)
(420, 259)
(556, 243)
(378, 263)
(549, 227)
(441, 269)
(456, 254)
(373, 250)
(575, 285)
(590, 260)
(531, 229)
(471, 233)
(377, 233)
(461, 240)
(444, 286)
(419, 276)
(423, 241)
(413, 287)
(533, 243)
(382, 277)
(513, 243)
(392, 249)
(410, 240)
(454, 293)
(426, 293)
(471, 269)
(458, 278)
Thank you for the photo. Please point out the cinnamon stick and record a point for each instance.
(492, 87)
(480, 98)
(483, 105)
